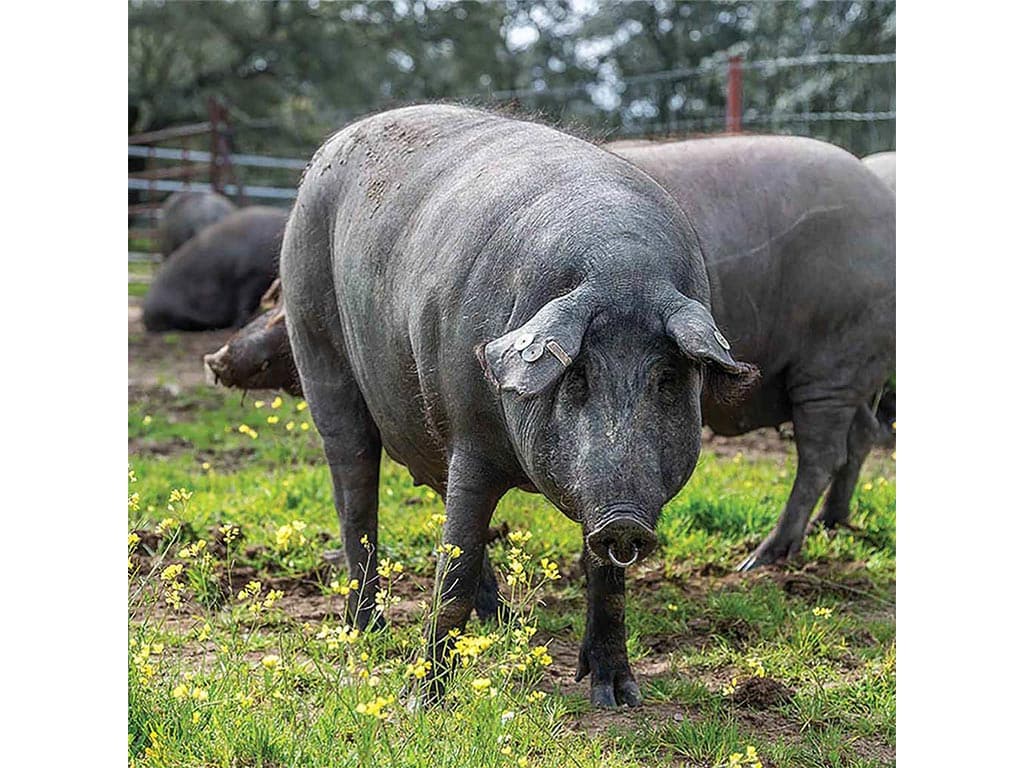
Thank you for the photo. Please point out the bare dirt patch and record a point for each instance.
(170, 360)
(761, 693)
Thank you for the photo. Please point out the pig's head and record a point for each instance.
(259, 356)
(603, 406)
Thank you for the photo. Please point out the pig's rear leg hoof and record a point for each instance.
(772, 550)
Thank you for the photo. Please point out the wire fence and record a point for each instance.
(845, 99)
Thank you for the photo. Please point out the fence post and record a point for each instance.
(213, 108)
(734, 96)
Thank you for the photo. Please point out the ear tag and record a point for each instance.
(533, 352)
(721, 340)
(522, 341)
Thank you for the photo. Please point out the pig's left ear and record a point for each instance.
(693, 329)
(534, 356)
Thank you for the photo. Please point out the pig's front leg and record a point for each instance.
(603, 652)
(469, 503)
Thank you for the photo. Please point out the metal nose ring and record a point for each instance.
(619, 563)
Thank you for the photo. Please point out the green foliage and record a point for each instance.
(294, 72)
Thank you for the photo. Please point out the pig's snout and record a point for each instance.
(623, 538)
(213, 364)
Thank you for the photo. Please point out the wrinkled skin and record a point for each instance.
(799, 241)
(184, 214)
(883, 165)
(490, 301)
(217, 278)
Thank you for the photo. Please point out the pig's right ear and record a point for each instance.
(534, 356)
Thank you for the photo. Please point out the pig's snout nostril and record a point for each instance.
(213, 366)
(623, 563)
(622, 540)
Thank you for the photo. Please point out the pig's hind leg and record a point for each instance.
(864, 433)
(472, 493)
(352, 447)
(821, 427)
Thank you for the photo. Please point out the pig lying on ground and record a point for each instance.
(492, 301)
(799, 241)
(216, 279)
(184, 214)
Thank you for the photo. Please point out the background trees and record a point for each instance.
(293, 72)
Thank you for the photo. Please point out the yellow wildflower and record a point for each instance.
(418, 670)
(520, 537)
(453, 551)
(273, 419)
(166, 524)
(549, 569)
(825, 613)
(301, 406)
(276, 402)
(290, 426)
(258, 404)
(304, 426)
(270, 661)
(386, 568)
(376, 707)
(180, 495)
(481, 685)
(180, 691)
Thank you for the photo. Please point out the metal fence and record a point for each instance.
(727, 95)
(851, 101)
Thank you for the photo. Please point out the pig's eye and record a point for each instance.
(574, 384)
(666, 382)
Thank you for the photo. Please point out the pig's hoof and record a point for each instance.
(625, 691)
(771, 550)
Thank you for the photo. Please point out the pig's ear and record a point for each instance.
(693, 329)
(534, 356)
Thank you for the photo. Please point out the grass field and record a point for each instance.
(238, 654)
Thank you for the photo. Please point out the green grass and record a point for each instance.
(231, 685)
